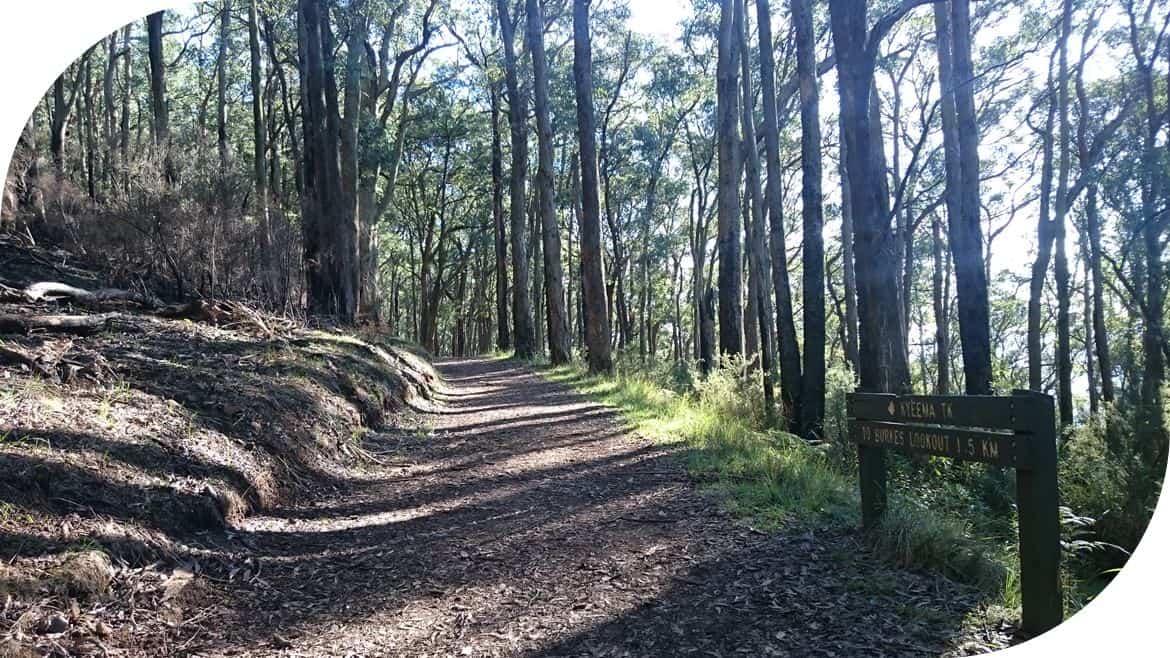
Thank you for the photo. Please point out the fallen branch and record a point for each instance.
(54, 291)
(83, 325)
(9, 294)
(60, 361)
(196, 311)
(634, 519)
(229, 314)
(10, 356)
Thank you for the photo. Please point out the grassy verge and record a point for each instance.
(768, 474)
(776, 478)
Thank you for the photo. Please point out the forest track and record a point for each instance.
(524, 520)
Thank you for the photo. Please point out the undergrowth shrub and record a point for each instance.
(839, 382)
(1111, 473)
(913, 535)
(196, 236)
(1145, 463)
(728, 393)
(1093, 480)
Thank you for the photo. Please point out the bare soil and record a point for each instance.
(128, 455)
(523, 520)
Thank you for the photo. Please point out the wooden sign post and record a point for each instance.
(1016, 431)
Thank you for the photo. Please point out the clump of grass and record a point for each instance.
(10, 513)
(912, 536)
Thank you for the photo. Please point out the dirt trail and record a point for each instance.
(526, 522)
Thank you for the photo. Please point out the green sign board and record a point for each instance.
(1016, 431)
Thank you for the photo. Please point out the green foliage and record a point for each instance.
(913, 535)
(1093, 479)
(1110, 479)
(730, 392)
(839, 381)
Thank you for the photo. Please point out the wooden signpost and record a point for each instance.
(1016, 431)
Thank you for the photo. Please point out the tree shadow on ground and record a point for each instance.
(194, 428)
(791, 594)
(45, 487)
(578, 541)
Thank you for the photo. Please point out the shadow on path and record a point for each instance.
(526, 522)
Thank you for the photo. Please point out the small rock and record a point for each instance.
(54, 624)
(103, 630)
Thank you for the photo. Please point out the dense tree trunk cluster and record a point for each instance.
(695, 206)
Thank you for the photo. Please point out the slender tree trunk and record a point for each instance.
(109, 132)
(848, 269)
(1043, 249)
(882, 357)
(335, 206)
(646, 295)
(286, 104)
(909, 262)
(522, 320)
(789, 351)
(1100, 334)
(88, 120)
(554, 280)
(259, 152)
(812, 390)
(348, 263)
(751, 332)
(62, 110)
(677, 320)
(941, 335)
(536, 267)
(1063, 322)
(127, 88)
(966, 237)
(158, 94)
(461, 314)
(225, 15)
(483, 313)
(760, 265)
(730, 229)
(503, 320)
(595, 317)
(963, 228)
(707, 346)
(625, 318)
(1046, 230)
(1061, 269)
(1087, 327)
